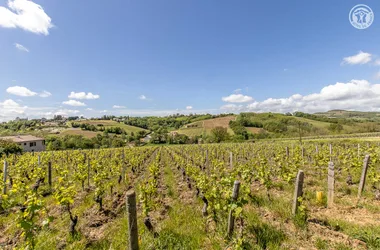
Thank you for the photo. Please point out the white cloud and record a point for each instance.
(360, 58)
(189, 107)
(142, 97)
(20, 91)
(377, 62)
(377, 75)
(153, 112)
(11, 109)
(83, 95)
(45, 94)
(66, 112)
(237, 98)
(23, 91)
(89, 109)
(21, 47)
(104, 111)
(118, 107)
(236, 91)
(74, 103)
(232, 107)
(353, 95)
(26, 15)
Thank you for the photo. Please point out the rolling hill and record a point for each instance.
(360, 115)
(100, 123)
(205, 126)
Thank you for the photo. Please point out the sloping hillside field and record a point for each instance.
(205, 126)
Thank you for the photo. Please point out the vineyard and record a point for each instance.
(213, 196)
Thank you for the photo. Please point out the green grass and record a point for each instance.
(109, 123)
(369, 234)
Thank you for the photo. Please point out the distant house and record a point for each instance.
(146, 139)
(173, 133)
(29, 143)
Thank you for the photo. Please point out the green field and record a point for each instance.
(107, 123)
(204, 127)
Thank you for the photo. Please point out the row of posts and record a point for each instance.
(132, 216)
(298, 192)
(6, 170)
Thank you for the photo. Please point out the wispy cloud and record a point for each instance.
(118, 107)
(360, 58)
(21, 47)
(83, 95)
(237, 98)
(74, 103)
(189, 107)
(142, 97)
(26, 15)
(45, 94)
(25, 92)
(20, 91)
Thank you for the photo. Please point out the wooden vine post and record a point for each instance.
(231, 217)
(123, 170)
(49, 174)
(358, 150)
(363, 176)
(298, 191)
(88, 172)
(287, 152)
(231, 160)
(132, 220)
(330, 183)
(207, 159)
(5, 173)
(330, 152)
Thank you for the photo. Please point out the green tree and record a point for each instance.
(9, 147)
(219, 134)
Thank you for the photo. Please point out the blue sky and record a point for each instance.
(185, 56)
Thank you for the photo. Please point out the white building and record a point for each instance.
(29, 143)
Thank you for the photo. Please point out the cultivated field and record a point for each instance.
(205, 127)
(185, 198)
(78, 131)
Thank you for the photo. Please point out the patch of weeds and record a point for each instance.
(266, 235)
(346, 190)
(342, 246)
(368, 234)
(278, 186)
(370, 238)
(259, 201)
(168, 239)
(300, 218)
(321, 244)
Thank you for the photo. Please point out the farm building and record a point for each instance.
(29, 143)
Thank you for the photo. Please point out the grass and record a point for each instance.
(369, 234)
(268, 224)
(205, 126)
(262, 234)
(109, 123)
(84, 133)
